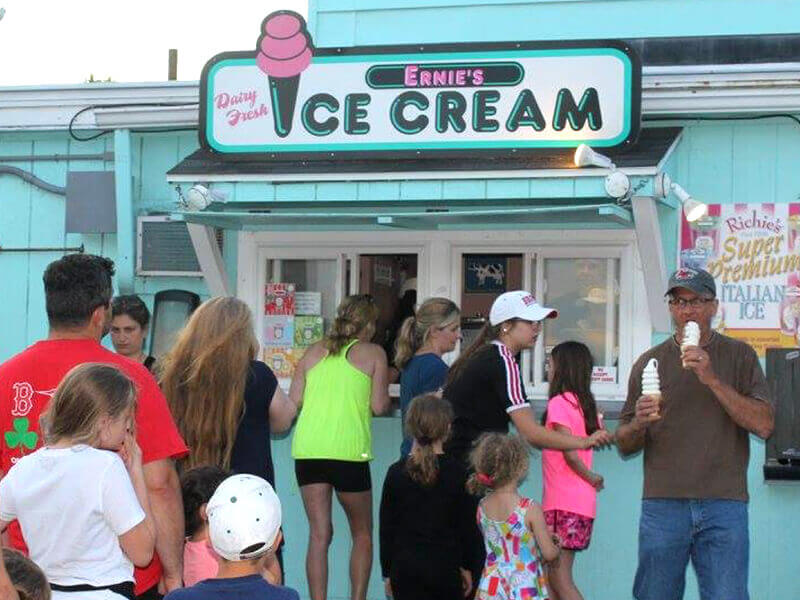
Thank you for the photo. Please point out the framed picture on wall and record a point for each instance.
(485, 273)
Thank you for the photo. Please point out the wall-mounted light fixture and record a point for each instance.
(198, 197)
(693, 209)
(586, 157)
(617, 183)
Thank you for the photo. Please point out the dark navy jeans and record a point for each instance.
(712, 533)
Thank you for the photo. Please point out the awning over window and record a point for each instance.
(604, 215)
(542, 190)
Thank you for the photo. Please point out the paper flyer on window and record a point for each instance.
(753, 252)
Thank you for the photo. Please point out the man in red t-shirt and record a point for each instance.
(78, 296)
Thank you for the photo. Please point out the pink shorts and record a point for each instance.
(574, 530)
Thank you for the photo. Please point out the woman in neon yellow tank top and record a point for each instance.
(339, 383)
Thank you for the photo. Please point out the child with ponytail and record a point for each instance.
(427, 520)
(514, 530)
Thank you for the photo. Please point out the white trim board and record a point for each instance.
(412, 175)
(699, 89)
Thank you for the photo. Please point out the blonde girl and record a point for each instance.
(339, 383)
(427, 520)
(514, 530)
(431, 332)
(81, 499)
(224, 401)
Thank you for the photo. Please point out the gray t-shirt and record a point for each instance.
(696, 450)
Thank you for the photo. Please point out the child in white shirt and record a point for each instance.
(81, 499)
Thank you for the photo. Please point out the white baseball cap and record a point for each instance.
(243, 514)
(519, 305)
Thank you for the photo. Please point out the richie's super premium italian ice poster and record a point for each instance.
(753, 252)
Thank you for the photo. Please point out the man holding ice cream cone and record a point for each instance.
(695, 437)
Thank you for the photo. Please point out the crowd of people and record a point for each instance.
(119, 482)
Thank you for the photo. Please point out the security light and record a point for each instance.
(586, 157)
(617, 183)
(693, 209)
(198, 197)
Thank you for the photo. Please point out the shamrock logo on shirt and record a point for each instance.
(21, 436)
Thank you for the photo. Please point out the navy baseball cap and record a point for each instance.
(697, 280)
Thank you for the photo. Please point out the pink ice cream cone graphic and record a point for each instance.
(284, 51)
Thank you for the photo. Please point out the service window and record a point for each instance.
(590, 292)
(301, 287)
(299, 300)
(391, 279)
(585, 291)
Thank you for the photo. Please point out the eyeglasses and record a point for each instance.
(694, 302)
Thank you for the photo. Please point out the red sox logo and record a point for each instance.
(685, 273)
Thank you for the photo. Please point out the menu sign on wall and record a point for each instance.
(753, 252)
(288, 99)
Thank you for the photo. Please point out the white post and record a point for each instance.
(651, 251)
(210, 258)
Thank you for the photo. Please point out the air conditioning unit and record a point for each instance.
(165, 248)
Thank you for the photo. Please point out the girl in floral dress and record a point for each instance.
(516, 535)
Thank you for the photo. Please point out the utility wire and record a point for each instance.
(103, 132)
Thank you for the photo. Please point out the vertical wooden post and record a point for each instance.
(172, 74)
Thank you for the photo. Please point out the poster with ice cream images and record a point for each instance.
(281, 359)
(307, 330)
(279, 299)
(278, 330)
(753, 252)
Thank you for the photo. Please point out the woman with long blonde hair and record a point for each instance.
(424, 337)
(224, 402)
(339, 383)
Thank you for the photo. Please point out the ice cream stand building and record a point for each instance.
(430, 148)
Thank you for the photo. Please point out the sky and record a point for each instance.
(45, 42)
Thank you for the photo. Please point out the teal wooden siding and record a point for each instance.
(603, 572)
(30, 217)
(366, 22)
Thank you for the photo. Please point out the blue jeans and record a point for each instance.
(713, 533)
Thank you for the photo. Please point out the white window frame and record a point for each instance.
(439, 258)
(538, 245)
(623, 253)
(255, 249)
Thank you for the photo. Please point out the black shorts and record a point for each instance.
(343, 475)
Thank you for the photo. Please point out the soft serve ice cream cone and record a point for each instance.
(651, 385)
(691, 337)
(284, 51)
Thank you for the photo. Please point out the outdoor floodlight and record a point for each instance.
(617, 183)
(693, 209)
(586, 157)
(198, 197)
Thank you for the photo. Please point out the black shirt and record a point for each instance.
(251, 451)
(436, 523)
(488, 388)
(150, 363)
